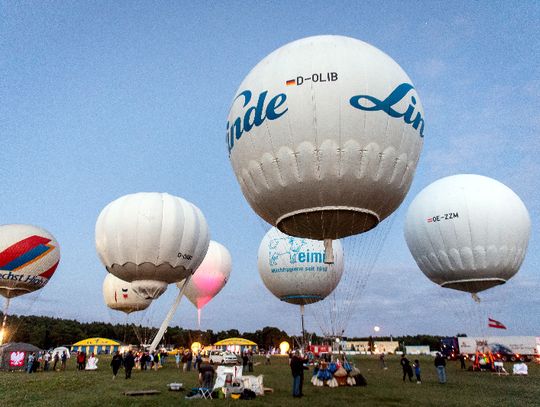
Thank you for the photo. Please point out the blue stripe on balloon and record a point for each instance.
(290, 297)
(26, 257)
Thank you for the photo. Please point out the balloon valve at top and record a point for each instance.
(328, 252)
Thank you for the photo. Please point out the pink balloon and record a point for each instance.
(210, 277)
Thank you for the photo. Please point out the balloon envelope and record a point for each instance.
(468, 232)
(210, 277)
(293, 268)
(152, 240)
(324, 135)
(119, 295)
(29, 256)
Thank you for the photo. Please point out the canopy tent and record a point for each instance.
(60, 350)
(237, 345)
(96, 346)
(14, 355)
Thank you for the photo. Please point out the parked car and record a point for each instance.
(222, 358)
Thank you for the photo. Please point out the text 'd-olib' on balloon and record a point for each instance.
(324, 135)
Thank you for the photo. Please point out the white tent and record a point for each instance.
(60, 350)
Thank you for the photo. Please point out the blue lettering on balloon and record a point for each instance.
(387, 104)
(254, 115)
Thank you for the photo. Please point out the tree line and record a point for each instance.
(46, 332)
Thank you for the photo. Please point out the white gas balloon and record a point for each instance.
(468, 232)
(324, 135)
(293, 268)
(210, 277)
(151, 240)
(118, 295)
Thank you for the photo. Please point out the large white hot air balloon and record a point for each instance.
(324, 135)
(210, 277)
(293, 268)
(29, 256)
(151, 240)
(119, 296)
(468, 232)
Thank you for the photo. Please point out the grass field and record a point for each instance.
(385, 387)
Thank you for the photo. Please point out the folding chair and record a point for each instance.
(206, 392)
(207, 384)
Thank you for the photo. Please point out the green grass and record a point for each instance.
(385, 387)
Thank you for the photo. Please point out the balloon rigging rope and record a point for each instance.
(360, 255)
(32, 298)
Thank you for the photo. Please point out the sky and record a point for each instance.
(101, 99)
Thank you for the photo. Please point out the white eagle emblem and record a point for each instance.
(16, 359)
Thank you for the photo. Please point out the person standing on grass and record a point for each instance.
(46, 361)
(189, 360)
(184, 361)
(177, 359)
(156, 360)
(267, 358)
(250, 361)
(406, 366)
(382, 361)
(56, 359)
(297, 370)
(245, 360)
(462, 361)
(416, 366)
(116, 362)
(81, 359)
(30, 362)
(64, 360)
(440, 364)
(129, 362)
(198, 360)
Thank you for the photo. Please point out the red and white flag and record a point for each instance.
(495, 324)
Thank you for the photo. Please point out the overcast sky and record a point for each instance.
(101, 99)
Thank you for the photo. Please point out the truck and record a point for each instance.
(505, 348)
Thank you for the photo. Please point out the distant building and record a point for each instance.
(378, 346)
(417, 350)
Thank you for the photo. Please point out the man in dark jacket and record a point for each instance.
(440, 364)
(129, 362)
(116, 362)
(297, 370)
(407, 368)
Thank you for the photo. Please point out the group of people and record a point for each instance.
(42, 361)
(187, 359)
(127, 361)
(247, 361)
(149, 360)
(439, 362)
(84, 363)
(298, 363)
